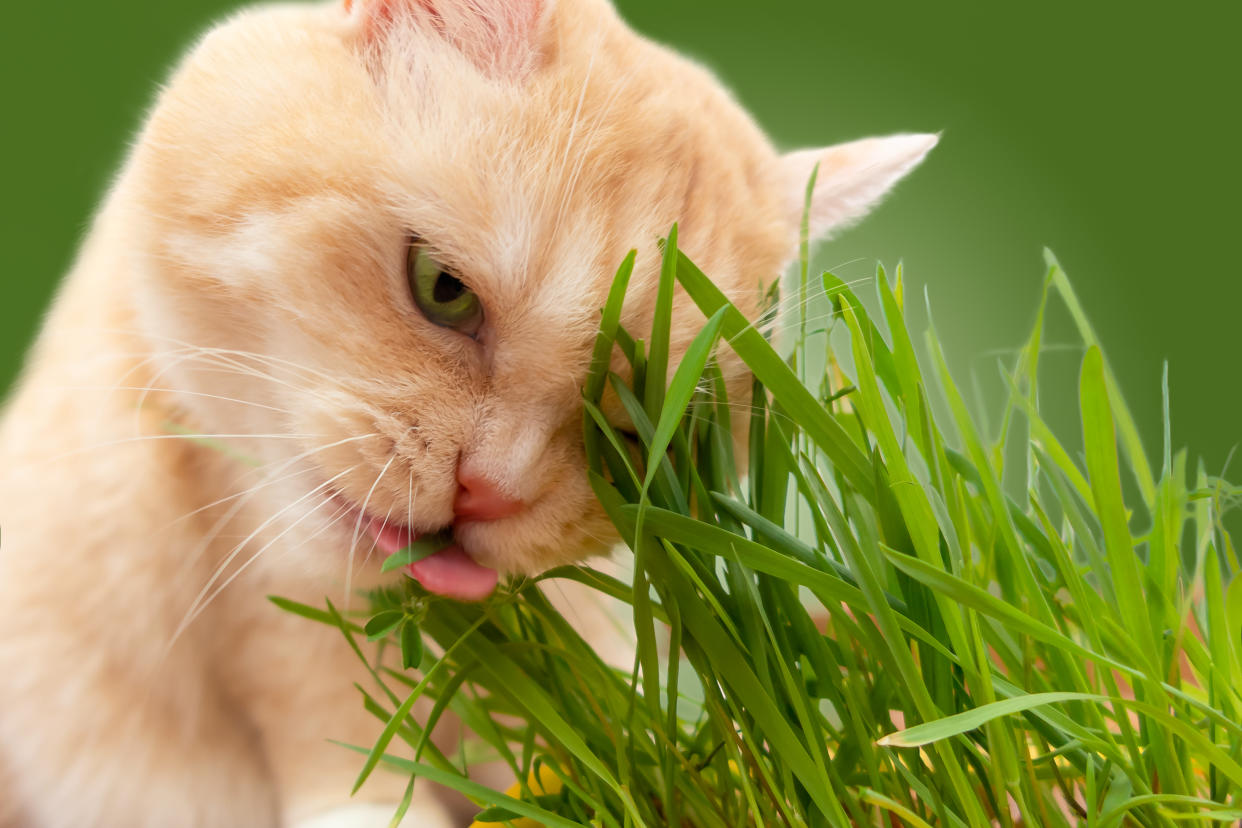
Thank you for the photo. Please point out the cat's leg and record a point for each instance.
(298, 682)
(424, 812)
(88, 745)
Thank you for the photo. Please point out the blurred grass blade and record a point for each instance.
(929, 732)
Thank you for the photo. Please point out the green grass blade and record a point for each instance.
(473, 790)
(681, 389)
(661, 329)
(795, 400)
(416, 551)
(1125, 421)
(608, 329)
(1100, 442)
(928, 732)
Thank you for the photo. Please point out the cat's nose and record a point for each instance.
(478, 498)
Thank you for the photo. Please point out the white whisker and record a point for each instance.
(192, 613)
(190, 437)
(229, 351)
(362, 512)
(245, 564)
(284, 464)
(169, 391)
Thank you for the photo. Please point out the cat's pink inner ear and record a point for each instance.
(501, 36)
(381, 13)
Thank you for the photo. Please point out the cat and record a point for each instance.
(344, 293)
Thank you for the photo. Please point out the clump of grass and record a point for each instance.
(885, 621)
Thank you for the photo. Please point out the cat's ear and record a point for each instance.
(499, 35)
(852, 178)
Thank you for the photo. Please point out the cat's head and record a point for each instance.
(384, 230)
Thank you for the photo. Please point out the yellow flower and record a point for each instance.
(541, 784)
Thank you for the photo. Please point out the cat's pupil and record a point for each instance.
(447, 288)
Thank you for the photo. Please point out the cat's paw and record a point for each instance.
(426, 814)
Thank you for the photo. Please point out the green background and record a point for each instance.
(1106, 132)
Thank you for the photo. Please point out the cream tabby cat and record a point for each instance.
(362, 245)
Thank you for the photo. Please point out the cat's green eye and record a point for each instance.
(442, 297)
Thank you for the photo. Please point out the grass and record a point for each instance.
(892, 618)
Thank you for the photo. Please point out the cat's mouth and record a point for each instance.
(451, 572)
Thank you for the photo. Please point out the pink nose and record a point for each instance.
(478, 498)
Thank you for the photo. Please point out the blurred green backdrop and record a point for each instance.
(1104, 131)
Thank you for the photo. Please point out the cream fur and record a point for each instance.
(245, 277)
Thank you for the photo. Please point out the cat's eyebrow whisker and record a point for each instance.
(197, 604)
(785, 319)
(788, 306)
(772, 320)
(747, 408)
(362, 513)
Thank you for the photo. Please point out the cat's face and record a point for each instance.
(523, 148)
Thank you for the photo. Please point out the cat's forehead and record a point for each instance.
(528, 187)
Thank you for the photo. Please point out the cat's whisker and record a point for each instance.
(600, 541)
(785, 313)
(231, 351)
(142, 400)
(790, 303)
(195, 604)
(284, 464)
(246, 564)
(362, 515)
(366, 559)
(189, 437)
(184, 352)
(409, 502)
(228, 359)
(225, 364)
(242, 498)
(178, 391)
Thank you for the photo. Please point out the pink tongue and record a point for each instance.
(453, 573)
(449, 572)
(390, 538)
